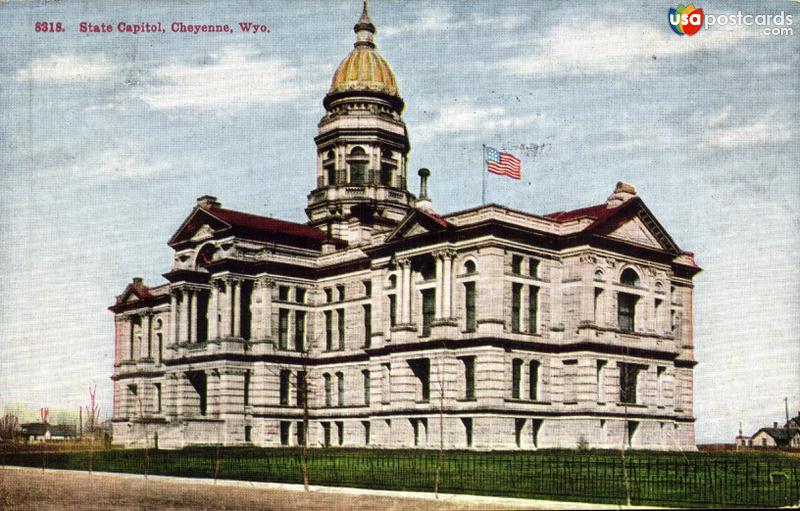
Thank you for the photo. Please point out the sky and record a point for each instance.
(106, 140)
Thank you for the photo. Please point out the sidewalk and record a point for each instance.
(283, 496)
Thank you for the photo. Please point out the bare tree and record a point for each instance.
(44, 413)
(9, 427)
(92, 413)
(305, 390)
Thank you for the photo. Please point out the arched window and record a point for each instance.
(329, 167)
(629, 277)
(388, 167)
(426, 266)
(392, 281)
(358, 161)
(469, 266)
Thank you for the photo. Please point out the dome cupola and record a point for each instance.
(362, 146)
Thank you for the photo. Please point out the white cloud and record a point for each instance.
(575, 48)
(236, 79)
(437, 19)
(110, 164)
(752, 134)
(470, 119)
(67, 68)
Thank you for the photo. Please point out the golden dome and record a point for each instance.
(364, 69)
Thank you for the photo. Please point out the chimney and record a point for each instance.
(208, 202)
(622, 193)
(138, 282)
(424, 202)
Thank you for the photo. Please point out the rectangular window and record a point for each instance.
(421, 367)
(536, 426)
(533, 390)
(366, 376)
(658, 321)
(367, 326)
(283, 293)
(328, 295)
(328, 390)
(285, 427)
(300, 295)
(340, 432)
(469, 377)
(519, 426)
(516, 264)
(628, 375)
(367, 428)
(516, 301)
(283, 329)
(469, 305)
(300, 383)
(328, 331)
(626, 313)
(428, 310)
(247, 388)
(534, 268)
(158, 397)
(367, 288)
(341, 327)
(301, 433)
(392, 310)
(248, 433)
(326, 434)
(299, 330)
(516, 378)
(198, 380)
(285, 376)
(340, 388)
(467, 430)
(533, 309)
(340, 292)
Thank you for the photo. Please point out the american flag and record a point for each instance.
(502, 163)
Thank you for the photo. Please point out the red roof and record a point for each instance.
(263, 223)
(598, 211)
(436, 218)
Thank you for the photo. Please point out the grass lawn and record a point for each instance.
(676, 479)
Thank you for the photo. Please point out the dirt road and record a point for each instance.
(31, 489)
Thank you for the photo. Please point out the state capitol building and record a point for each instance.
(387, 322)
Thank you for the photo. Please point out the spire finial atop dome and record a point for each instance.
(364, 29)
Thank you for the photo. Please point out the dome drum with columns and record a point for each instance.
(362, 145)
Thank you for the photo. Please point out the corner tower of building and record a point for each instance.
(362, 145)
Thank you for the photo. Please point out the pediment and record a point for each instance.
(634, 223)
(635, 231)
(200, 225)
(417, 222)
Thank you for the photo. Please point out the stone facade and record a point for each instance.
(494, 328)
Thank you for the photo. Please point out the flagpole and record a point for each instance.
(483, 171)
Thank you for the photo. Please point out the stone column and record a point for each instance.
(213, 312)
(173, 317)
(236, 308)
(192, 320)
(405, 302)
(183, 333)
(146, 349)
(440, 283)
(213, 393)
(223, 306)
(447, 284)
